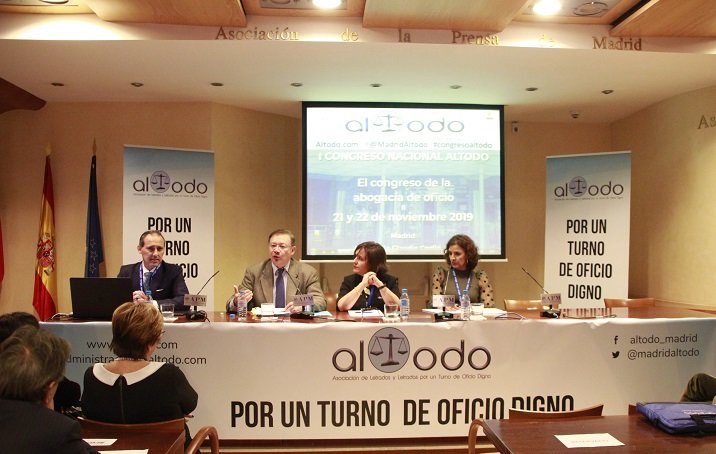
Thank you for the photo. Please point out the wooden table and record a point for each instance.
(637, 434)
(156, 441)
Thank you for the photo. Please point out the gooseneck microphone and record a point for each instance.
(548, 313)
(536, 281)
(295, 284)
(212, 277)
(199, 314)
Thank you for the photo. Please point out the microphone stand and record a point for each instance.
(304, 314)
(444, 315)
(548, 313)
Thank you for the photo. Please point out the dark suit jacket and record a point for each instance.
(259, 279)
(30, 428)
(167, 284)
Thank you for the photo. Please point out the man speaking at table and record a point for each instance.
(153, 279)
(280, 278)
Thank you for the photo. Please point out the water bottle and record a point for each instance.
(241, 306)
(149, 295)
(404, 304)
(465, 308)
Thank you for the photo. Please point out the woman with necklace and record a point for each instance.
(132, 389)
(462, 257)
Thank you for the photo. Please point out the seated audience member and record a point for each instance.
(153, 279)
(32, 362)
(370, 284)
(281, 272)
(67, 395)
(132, 389)
(700, 388)
(462, 257)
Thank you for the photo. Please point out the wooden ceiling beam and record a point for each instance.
(13, 97)
(671, 18)
(177, 12)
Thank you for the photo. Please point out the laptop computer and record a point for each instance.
(98, 297)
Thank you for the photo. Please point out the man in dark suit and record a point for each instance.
(67, 396)
(153, 279)
(32, 362)
(296, 278)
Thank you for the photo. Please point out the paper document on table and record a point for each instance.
(588, 440)
(100, 441)
(322, 314)
(365, 313)
(492, 312)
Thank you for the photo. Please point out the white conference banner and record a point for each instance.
(586, 257)
(172, 190)
(274, 380)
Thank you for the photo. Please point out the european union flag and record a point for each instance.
(94, 251)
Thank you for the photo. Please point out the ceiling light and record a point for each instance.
(456, 87)
(547, 7)
(58, 84)
(607, 92)
(217, 84)
(590, 9)
(296, 84)
(137, 84)
(376, 85)
(327, 4)
(531, 89)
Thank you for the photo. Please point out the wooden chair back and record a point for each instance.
(523, 305)
(172, 425)
(201, 435)
(632, 302)
(472, 438)
(595, 410)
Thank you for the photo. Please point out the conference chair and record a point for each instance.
(472, 440)
(631, 302)
(516, 413)
(523, 305)
(172, 426)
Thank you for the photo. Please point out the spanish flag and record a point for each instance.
(45, 274)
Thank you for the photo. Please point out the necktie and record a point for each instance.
(280, 291)
(147, 278)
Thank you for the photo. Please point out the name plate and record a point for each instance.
(303, 300)
(194, 300)
(440, 301)
(554, 299)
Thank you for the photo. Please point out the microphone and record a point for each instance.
(209, 280)
(197, 300)
(536, 281)
(547, 299)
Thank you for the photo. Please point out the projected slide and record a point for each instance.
(408, 176)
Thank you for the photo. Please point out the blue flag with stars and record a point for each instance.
(94, 251)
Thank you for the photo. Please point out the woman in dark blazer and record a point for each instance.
(370, 285)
